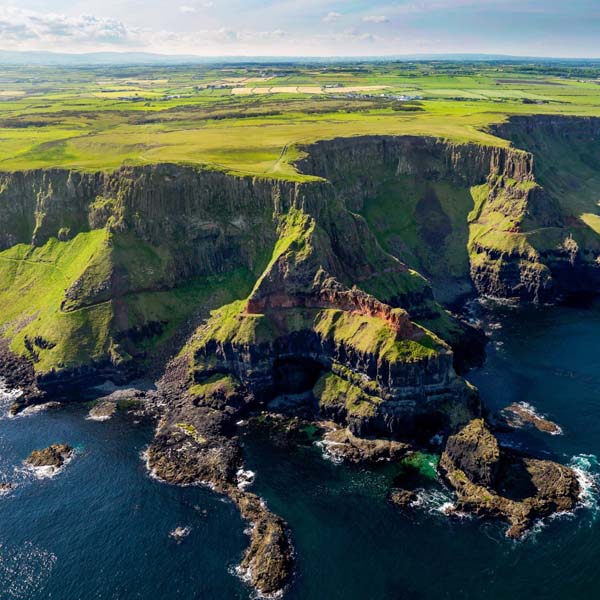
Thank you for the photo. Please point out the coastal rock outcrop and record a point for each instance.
(196, 443)
(497, 482)
(53, 456)
(342, 445)
(520, 415)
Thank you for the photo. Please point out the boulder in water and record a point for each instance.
(54, 456)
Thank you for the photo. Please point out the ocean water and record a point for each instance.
(99, 529)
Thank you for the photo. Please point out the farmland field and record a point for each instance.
(250, 119)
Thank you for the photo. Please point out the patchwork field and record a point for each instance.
(250, 119)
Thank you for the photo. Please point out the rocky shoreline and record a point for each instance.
(196, 443)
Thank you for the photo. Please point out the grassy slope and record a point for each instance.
(231, 325)
(90, 121)
(409, 227)
(33, 282)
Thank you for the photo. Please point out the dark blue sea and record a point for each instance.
(99, 529)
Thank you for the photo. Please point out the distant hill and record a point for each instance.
(8, 57)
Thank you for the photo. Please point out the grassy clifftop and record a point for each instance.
(101, 119)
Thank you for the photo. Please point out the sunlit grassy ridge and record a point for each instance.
(100, 119)
(58, 334)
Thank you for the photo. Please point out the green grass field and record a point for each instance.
(101, 118)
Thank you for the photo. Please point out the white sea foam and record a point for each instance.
(7, 397)
(586, 467)
(434, 501)
(24, 570)
(98, 419)
(245, 478)
(488, 301)
(34, 409)
(179, 533)
(145, 456)
(328, 450)
(245, 575)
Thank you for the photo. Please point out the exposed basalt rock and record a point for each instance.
(268, 562)
(519, 415)
(403, 498)
(342, 444)
(195, 443)
(103, 410)
(491, 481)
(54, 456)
(18, 373)
(6, 488)
(474, 451)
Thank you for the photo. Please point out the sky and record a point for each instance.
(558, 28)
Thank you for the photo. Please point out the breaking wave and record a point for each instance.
(7, 397)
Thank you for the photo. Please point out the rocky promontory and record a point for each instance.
(196, 443)
(497, 482)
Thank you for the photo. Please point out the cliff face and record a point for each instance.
(561, 226)
(318, 295)
(208, 217)
(511, 223)
(114, 264)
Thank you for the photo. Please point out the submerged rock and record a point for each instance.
(54, 456)
(102, 411)
(496, 482)
(6, 488)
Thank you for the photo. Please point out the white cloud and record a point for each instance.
(375, 19)
(19, 26)
(331, 17)
(192, 7)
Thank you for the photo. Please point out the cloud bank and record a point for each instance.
(304, 27)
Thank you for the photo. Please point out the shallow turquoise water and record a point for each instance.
(100, 528)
